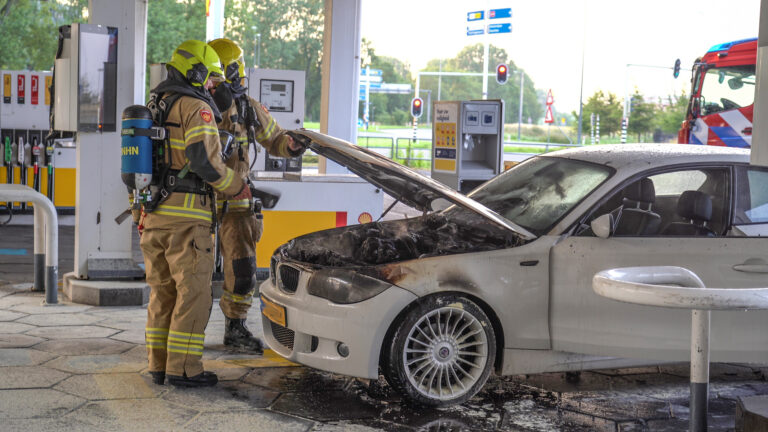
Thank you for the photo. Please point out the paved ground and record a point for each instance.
(74, 367)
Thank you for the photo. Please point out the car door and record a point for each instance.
(582, 321)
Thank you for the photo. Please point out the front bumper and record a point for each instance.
(315, 326)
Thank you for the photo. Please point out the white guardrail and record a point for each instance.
(46, 264)
(678, 287)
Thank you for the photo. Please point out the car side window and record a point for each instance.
(751, 206)
(689, 202)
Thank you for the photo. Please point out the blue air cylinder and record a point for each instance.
(136, 169)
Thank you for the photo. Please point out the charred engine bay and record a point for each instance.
(400, 240)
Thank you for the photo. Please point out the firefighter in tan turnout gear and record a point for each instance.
(241, 225)
(176, 231)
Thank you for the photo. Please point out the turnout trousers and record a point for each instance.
(240, 230)
(179, 265)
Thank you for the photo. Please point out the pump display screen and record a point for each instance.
(97, 91)
(276, 95)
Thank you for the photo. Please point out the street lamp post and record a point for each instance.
(258, 49)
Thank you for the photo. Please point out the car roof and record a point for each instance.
(643, 156)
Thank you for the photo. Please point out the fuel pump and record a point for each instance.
(49, 161)
(22, 161)
(36, 159)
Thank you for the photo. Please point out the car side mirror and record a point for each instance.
(602, 226)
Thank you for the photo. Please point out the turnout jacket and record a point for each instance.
(268, 133)
(194, 139)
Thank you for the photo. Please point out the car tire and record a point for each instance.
(440, 351)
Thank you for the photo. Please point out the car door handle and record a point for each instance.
(752, 265)
(529, 263)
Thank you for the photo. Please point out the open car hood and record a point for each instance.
(402, 183)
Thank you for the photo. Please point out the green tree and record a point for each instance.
(608, 107)
(672, 115)
(642, 116)
(470, 59)
(171, 22)
(291, 35)
(387, 108)
(30, 31)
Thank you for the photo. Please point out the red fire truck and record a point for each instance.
(722, 96)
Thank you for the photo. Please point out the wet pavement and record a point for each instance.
(75, 367)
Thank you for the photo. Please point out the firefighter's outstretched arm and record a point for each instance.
(203, 151)
(271, 136)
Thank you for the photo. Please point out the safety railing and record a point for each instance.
(677, 287)
(418, 152)
(46, 242)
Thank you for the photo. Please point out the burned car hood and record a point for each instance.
(402, 183)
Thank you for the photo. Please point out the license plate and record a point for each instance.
(273, 311)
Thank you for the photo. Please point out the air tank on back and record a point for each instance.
(136, 167)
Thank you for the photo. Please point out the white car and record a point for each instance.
(501, 279)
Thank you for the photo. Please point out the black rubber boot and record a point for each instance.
(158, 377)
(205, 379)
(236, 334)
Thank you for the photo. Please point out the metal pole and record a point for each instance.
(20, 193)
(700, 320)
(520, 111)
(759, 152)
(367, 95)
(485, 68)
(258, 49)
(581, 86)
(440, 79)
(597, 129)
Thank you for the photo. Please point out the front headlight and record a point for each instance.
(344, 286)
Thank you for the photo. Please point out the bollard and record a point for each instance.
(653, 286)
(46, 230)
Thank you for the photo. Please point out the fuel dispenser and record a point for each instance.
(24, 123)
(467, 142)
(282, 93)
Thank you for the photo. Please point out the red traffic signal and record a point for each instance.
(502, 72)
(417, 106)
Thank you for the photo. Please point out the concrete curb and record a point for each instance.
(105, 293)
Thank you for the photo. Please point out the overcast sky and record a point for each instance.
(548, 35)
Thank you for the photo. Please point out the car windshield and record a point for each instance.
(728, 88)
(537, 193)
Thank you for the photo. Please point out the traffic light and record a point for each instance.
(417, 106)
(502, 72)
(676, 71)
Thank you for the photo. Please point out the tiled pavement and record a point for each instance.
(74, 367)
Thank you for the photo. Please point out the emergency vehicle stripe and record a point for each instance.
(225, 181)
(267, 132)
(238, 298)
(200, 130)
(177, 144)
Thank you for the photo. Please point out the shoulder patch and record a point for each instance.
(206, 115)
(265, 109)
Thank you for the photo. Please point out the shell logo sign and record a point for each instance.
(365, 218)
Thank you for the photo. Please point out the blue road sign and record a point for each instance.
(500, 28)
(475, 31)
(374, 72)
(500, 13)
(475, 16)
